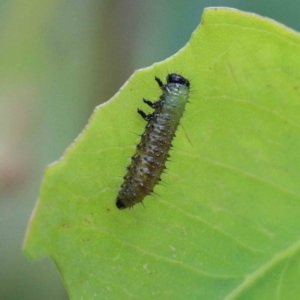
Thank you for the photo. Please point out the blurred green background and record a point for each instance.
(59, 59)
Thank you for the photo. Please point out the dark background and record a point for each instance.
(58, 60)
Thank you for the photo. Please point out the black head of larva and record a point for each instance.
(175, 78)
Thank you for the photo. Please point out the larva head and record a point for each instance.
(175, 78)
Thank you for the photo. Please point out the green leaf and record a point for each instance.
(225, 225)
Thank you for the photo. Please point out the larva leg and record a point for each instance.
(159, 82)
(145, 116)
(152, 104)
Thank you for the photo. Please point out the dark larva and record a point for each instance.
(148, 162)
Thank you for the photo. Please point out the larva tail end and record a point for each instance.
(120, 204)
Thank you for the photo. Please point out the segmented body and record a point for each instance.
(148, 162)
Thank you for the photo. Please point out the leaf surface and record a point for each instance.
(225, 223)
